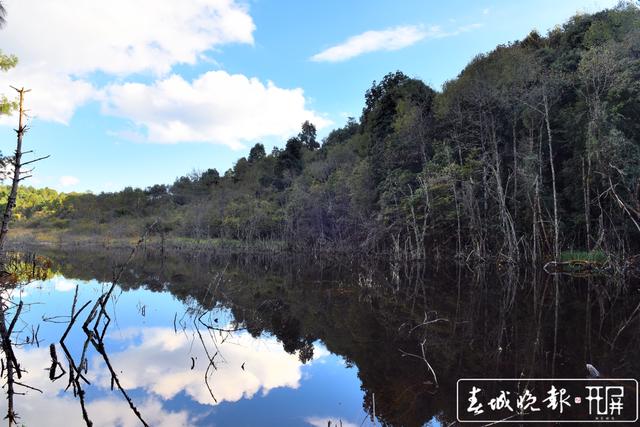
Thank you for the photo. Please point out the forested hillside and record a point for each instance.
(533, 149)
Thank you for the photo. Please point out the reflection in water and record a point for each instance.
(328, 421)
(158, 360)
(283, 342)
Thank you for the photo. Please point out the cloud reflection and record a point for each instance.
(159, 360)
(54, 407)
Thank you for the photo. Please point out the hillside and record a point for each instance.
(534, 144)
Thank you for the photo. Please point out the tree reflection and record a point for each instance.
(411, 332)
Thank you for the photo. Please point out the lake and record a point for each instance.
(200, 340)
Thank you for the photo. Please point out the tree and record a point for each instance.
(291, 157)
(512, 158)
(240, 168)
(6, 63)
(18, 174)
(210, 177)
(341, 135)
(308, 136)
(6, 106)
(257, 153)
(157, 191)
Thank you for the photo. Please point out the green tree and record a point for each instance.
(308, 136)
(210, 177)
(290, 158)
(6, 63)
(257, 153)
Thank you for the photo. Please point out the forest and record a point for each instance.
(532, 150)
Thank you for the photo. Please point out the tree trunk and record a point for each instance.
(556, 232)
(17, 164)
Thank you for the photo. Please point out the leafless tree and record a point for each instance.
(18, 173)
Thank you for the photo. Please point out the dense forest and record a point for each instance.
(533, 149)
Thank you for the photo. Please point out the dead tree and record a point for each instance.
(556, 226)
(11, 367)
(18, 173)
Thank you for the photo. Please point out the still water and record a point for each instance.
(200, 340)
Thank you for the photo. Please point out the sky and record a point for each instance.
(140, 92)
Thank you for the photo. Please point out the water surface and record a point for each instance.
(277, 341)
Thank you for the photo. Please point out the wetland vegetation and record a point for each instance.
(487, 229)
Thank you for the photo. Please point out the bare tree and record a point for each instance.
(18, 173)
(547, 121)
(544, 93)
(596, 74)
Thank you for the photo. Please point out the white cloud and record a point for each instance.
(54, 407)
(216, 107)
(157, 360)
(62, 284)
(390, 39)
(61, 43)
(68, 180)
(371, 41)
(54, 96)
(121, 36)
(64, 410)
(112, 42)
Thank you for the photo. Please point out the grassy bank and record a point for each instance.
(21, 237)
(591, 256)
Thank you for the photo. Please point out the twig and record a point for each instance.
(423, 358)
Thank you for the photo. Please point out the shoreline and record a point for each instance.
(21, 238)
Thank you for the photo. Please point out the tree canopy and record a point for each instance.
(536, 139)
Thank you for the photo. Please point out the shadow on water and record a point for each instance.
(409, 333)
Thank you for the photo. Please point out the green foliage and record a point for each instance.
(593, 256)
(257, 153)
(466, 169)
(6, 63)
(308, 136)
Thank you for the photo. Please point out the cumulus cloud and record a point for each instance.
(118, 38)
(156, 360)
(104, 412)
(54, 96)
(216, 107)
(389, 39)
(121, 36)
(61, 283)
(68, 181)
(54, 407)
(121, 40)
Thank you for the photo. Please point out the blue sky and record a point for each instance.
(138, 92)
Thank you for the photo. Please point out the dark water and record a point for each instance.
(262, 341)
